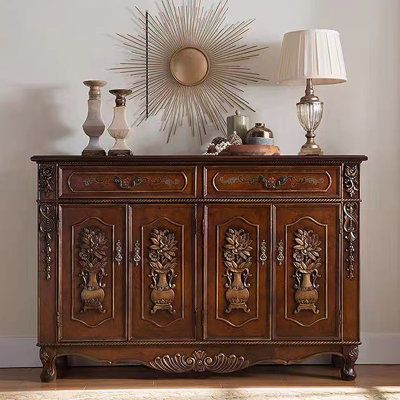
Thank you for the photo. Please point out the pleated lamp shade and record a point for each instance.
(315, 54)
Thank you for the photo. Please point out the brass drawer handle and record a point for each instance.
(263, 252)
(280, 257)
(128, 184)
(272, 182)
(136, 258)
(118, 252)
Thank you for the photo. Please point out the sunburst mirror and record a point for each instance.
(186, 62)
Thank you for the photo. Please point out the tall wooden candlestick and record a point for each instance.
(94, 125)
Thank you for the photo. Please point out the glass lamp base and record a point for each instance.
(309, 112)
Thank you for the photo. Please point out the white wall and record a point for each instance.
(49, 46)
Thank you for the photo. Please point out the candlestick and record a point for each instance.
(94, 125)
(119, 128)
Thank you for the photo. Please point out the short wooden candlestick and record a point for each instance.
(119, 128)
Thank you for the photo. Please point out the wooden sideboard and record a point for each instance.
(198, 263)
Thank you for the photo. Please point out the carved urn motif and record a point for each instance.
(306, 263)
(237, 260)
(163, 262)
(93, 259)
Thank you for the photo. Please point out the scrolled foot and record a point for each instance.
(348, 372)
(48, 359)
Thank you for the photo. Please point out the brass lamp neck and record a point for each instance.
(309, 93)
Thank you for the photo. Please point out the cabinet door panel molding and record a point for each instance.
(165, 272)
(92, 282)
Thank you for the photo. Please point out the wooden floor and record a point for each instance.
(91, 378)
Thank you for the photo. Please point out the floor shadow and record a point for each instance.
(318, 373)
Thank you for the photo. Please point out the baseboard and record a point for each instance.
(377, 348)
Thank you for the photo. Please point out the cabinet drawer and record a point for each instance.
(127, 182)
(237, 181)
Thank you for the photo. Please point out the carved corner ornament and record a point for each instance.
(92, 253)
(163, 264)
(46, 180)
(350, 227)
(351, 183)
(306, 263)
(237, 261)
(199, 361)
(47, 231)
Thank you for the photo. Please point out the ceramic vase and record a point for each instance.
(94, 125)
(119, 128)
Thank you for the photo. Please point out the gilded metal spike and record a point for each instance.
(200, 100)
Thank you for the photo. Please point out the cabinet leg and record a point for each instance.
(61, 365)
(48, 359)
(350, 355)
(337, 361)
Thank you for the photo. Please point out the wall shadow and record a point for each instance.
(31, 125)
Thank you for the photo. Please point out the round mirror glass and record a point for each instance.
(189, 66)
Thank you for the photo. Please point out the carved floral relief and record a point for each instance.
(47, 230)
(274, 182)
(46, 180)
(163, 264)
(238, 261)
(350, 226)
(351, 180)
(199, 361)
(307, 263)
(93, 249)
(128, 183)
(140, 181)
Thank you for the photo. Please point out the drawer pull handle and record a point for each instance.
(118, 252)
(136, 253)
(281, 253)
(263, 252)
(127, 184)
(272, 182)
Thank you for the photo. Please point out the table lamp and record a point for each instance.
(311, 57)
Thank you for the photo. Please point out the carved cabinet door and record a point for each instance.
(306, 272)
(92, 285)
(162, 268)
(236, 271)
